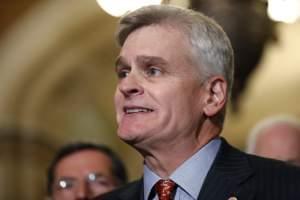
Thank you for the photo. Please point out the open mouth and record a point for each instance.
(133, 110)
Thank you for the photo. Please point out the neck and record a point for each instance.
(166, 158)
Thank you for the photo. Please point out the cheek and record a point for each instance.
(118, 106)
(117, 99)
(57, 195)
(187, 102)
(174, 104)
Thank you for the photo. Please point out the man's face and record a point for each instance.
(158, 98)
(83, 175)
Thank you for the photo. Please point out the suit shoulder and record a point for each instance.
(256, 176)
(264, 167)
(269, 167)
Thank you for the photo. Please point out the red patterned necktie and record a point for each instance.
(164, 189)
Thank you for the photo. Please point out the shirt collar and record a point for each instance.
(150, 178)
(190, 175)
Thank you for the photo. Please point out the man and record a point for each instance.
(276, 137)
(175, 72)
(81, 171)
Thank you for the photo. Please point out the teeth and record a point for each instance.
(136, 110)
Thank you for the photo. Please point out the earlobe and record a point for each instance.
(217, 94)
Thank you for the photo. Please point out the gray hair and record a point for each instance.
(210, 47)
(267, 123)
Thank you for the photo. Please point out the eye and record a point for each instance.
(122, 73)
(65, 184)
(153, 71)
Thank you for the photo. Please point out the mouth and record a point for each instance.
(134, 110)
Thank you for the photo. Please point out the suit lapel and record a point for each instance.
(227, 175)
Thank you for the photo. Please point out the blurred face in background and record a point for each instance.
(83, 175)
(281, 142)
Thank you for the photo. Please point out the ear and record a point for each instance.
(216, 88)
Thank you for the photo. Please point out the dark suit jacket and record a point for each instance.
(235, 174)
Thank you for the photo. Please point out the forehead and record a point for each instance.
(280, 139)
(155, 40)
(282, 131)
(82, 163)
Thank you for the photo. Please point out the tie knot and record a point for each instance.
(164, 189)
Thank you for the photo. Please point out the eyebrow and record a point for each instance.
(66, 178)
(120, 61)
(146, 59)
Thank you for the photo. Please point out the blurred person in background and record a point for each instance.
(80, 171)
(276, 137)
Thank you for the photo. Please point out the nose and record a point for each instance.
(82, 192)
(130, 86)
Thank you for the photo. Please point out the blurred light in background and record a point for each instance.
(117, 8)
(287, 11)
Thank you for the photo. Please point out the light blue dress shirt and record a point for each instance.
(189, 176)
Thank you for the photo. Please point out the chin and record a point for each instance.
(130, 137)
(126, 136)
